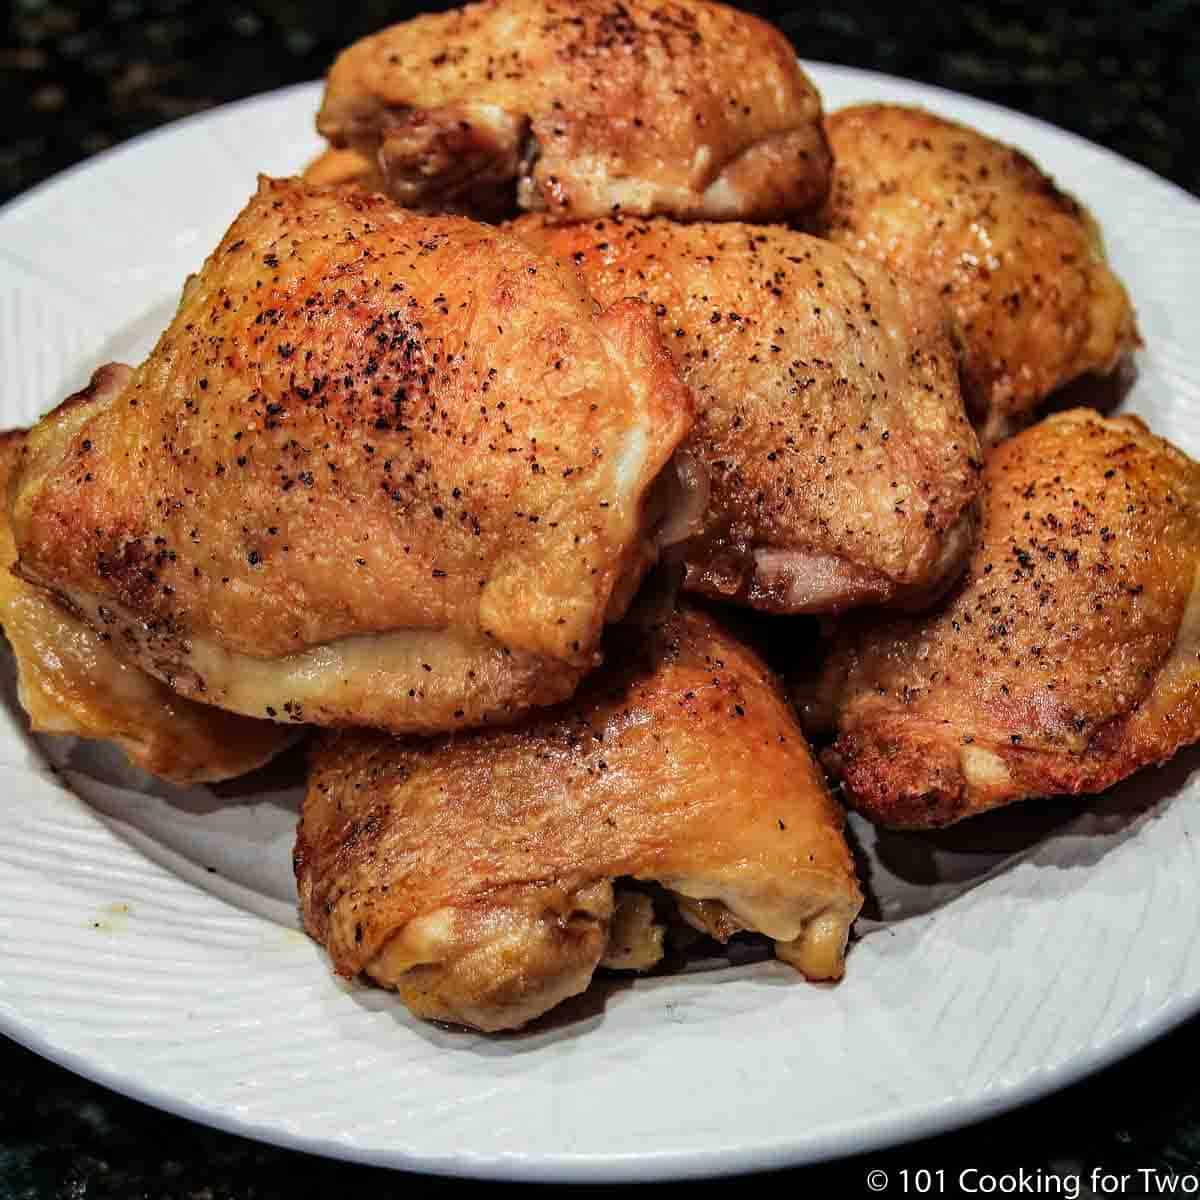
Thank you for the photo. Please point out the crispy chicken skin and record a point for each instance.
(70, 681)
(381, 469)
(1021, 263)
(1069, 658)
(334, 168)
(580, 108)
(842, 468)
(474, 874)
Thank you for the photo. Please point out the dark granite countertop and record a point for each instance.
(76, 78)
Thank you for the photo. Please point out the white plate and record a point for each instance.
(994, 979)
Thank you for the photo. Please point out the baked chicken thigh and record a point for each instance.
(1020, 263)
(475, 874)
(1067, 660)
(381, 469)
(70, 681)
(582, 108)
(842, 468)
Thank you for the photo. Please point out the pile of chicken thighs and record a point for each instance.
(473, 453)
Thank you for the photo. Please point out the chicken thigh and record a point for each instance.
(842, 468)
(582, 108)
(475, 874)
(381, 469)
(1067, 660)
(71, 682)
(1020, 263)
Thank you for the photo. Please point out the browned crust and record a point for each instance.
(363, 422)
(1064, 662)
(830, 419)
(1020, 262)
(681, 758)
(585, 108)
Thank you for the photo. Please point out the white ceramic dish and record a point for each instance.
(995, 977)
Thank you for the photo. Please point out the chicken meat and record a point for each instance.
(581, 108)
(842, 468)
(70, 681)
(1068, 659)
(381, 469)
(333, 168)
(475, 873)
(1020, 262)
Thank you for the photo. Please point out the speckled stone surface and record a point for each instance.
(76, 78)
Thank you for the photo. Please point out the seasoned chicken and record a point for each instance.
(582, 108)
(1069, 658)
(341, 167)
(1020, 263)
(70, 681)
(381, 469)
(843, 470)
(475, 874)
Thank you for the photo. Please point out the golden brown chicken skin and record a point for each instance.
(334, 168)
(581, 108)
(381, 469)
(1069, 658)
(1020, 263)
(71, 682)
(474, 874)
(842, 468)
